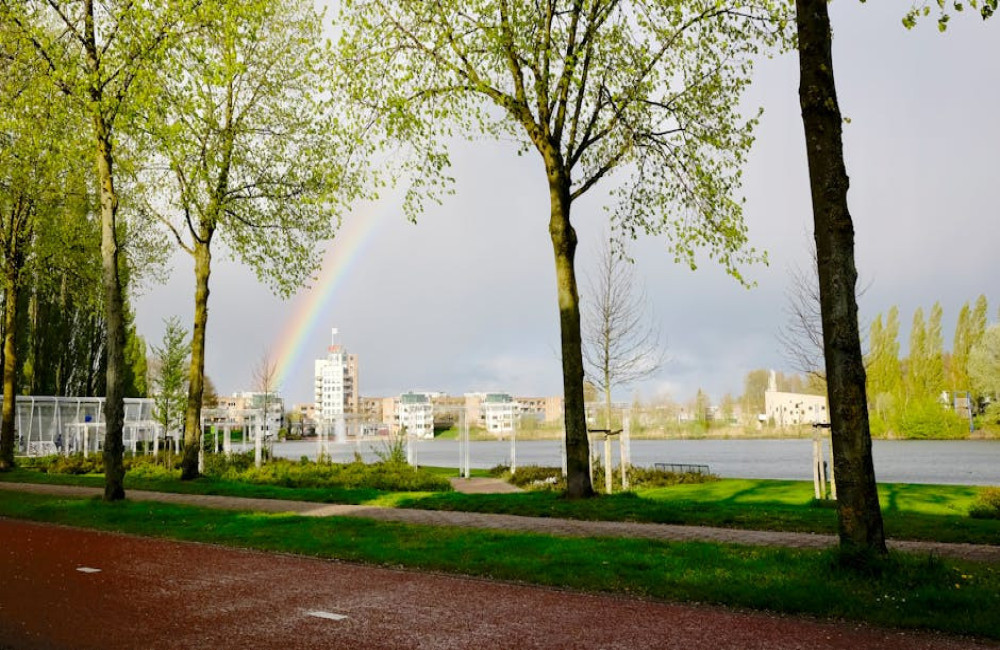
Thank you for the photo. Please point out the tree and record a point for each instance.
(34, 138)
(754, 385)
(885, 373)
(917, 363)
(169, 380)
(802, 336)
(248, 155)
(102, 54)
(209, 396)
(620, 343)
(265, 376)
(984, 363)
(594, 87)
(958, 375)
(858, 514)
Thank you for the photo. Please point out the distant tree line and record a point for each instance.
(913, 395)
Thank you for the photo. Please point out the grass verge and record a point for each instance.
(914, 592)
(910, 511)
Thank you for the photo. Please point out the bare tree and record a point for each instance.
(801, 338)
(265, 377)
(621, 343)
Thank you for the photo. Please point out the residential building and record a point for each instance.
(336, 382)
(543, 409)
(415, 412)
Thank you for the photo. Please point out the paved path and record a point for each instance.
(78, 589)
(543, 525)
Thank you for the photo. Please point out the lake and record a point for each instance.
(964, 462)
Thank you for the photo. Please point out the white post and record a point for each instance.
(258, 456)
(833, 481)
(201, 459)
(590, 458)
(513, 447)
(607, 463)
(624, 449)
(227, 443)
(562, 452)
(465, 434)
(822, 470)
(817, 463)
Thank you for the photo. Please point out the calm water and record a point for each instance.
(970, 462)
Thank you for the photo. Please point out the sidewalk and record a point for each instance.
(541, 525)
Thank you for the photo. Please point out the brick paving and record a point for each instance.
(541, 525)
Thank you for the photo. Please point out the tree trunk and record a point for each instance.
(860, 519)
(564, 242)
(7, 432)
(114, 314)
(196, 375)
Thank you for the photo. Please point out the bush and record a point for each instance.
(987, 504)
(650, 478)
(72, 464)
(929, 419)
(533, 477)
(390, 476)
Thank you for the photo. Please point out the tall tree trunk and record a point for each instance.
(564, 242)
(15, 238)
(114, 313)
(196, 376)
(860, 519)
(7, 432)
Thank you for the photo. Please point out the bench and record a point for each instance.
(682, 468)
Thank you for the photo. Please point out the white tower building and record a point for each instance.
(336, 382)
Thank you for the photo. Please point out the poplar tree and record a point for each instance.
(36, 149)
(917, 364)
(645, 90)
(962, 344)
(935, 352)
(104, 56)
(169, 379)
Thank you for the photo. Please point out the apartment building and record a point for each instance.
(415, 412)
(336, 382)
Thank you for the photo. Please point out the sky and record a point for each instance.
(465, 299)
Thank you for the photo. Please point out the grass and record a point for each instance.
(910, 511)
(910, 591)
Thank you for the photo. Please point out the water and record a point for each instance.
(962, 462)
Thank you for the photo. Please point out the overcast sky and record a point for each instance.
(465, 300)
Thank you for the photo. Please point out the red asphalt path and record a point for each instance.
(152, 593)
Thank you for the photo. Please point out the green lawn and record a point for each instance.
(923, 512)
(908, 591)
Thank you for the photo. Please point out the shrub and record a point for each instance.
(532, 477)
(929, 419)
(987, 504)
(391, 476)
(75, 464)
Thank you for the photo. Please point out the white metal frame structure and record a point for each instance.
(64, 425)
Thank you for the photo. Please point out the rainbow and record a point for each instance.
(310, 307)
